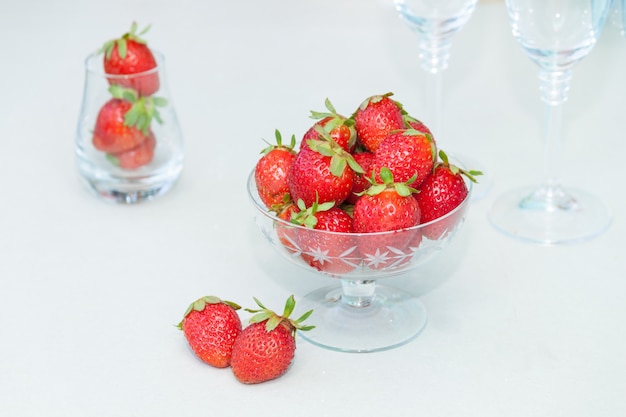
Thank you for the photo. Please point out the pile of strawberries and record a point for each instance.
(376, 171)
(122, 129)
(260, 352)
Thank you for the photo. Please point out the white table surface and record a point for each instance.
(90, 292)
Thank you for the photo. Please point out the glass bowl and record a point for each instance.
(356, 314)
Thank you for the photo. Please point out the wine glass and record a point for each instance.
(357, 314)
(623, 16)
(436, 22)
(619, 15)
(556, 35)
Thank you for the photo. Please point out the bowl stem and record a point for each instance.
(358, 293)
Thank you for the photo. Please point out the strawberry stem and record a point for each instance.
(273, 320)
(143, 109)
(279, 143)
(120, 42)
(402, 188)
(201, 303)
(470, 174)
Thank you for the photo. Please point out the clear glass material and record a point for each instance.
(357, 314)
(103, 172)
(618, 15)
(436, 22)
(622, 20)
(556, 35)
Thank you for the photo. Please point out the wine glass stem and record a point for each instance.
(552, 145)
(554, 86)
(434, 53)
(437, 85)
(434, 57)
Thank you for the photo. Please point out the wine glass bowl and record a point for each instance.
(555, 35)
(554, 40)
(356, 314)
(435, 22)
(619, 16)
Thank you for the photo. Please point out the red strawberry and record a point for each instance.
(136, 157)
(287, 232)
(375, 118)
(440, 193)
(111, 133)
(413, 123)
(211, 327)
(322, 172)
(265, 349)
(386, 207)
(338, 127)
(333, 253)
(131, 55)
(123, 122)
(364, 159)
(270, 172)
(406, 153)
(404, 257)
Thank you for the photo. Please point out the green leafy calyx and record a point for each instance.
(279, 144)
(306, 216)
(122, 47)
(201, 303)
(403, 189)
(143, 109)
(273, 320)
(339, 157)
(335, 120)
(471, 174)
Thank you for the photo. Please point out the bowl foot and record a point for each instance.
(391, 319)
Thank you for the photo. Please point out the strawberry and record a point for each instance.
(406, 153)
(376, 117)
(270, 172)
(112, 134)
(360, 184)
(322, 172)
(386, 207)
(442, 192)
(130, 55)
(137, 157)
(287, 232)
(338, 127)
(265, 349)
(413, 123)
(326, 252)
(404, 257)
(211, 327)
(123, 122)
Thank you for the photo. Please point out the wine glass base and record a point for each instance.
(514, 216)
(392, 319)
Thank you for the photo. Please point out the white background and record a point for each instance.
(90, 292)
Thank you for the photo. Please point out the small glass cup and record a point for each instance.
(148, 169)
